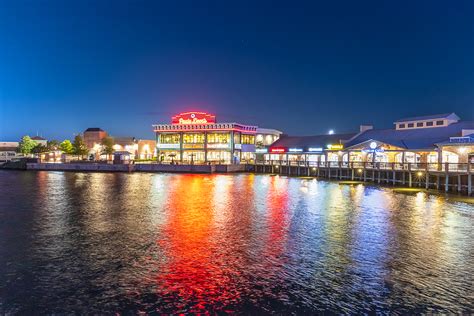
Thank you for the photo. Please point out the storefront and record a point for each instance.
(196, 138)
(307, 150)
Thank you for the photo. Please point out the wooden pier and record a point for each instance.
(448, 177)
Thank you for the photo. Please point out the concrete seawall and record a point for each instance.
(136, 167)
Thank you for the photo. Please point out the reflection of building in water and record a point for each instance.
(196, 137)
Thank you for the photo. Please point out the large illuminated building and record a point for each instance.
(429, 140)
(196, 137)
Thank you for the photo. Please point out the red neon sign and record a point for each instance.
(193, 118)
(277, 150)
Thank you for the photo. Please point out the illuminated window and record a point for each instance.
(401, 125)
(218, 138)
(411, 125)
(193, 138)
(419, 124)
(429, 123)
(438, 123)
(169, 138)
(236, 138)
(248, 139)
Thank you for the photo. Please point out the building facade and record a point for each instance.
(9, 151)
(418, 142)
(196, 137)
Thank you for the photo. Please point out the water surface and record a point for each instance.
(116, 242)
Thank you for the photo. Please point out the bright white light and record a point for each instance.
(373, 145)
(331, 132)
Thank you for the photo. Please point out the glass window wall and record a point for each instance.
(248, 139)
(218, 138)
(169, 138)
(193, 138)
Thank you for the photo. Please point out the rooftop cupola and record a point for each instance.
(430, 121)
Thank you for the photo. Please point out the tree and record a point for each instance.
(80, 147)
(39, 149)
(26, 145)
(52, 145)
(107, 146)
(67, 147)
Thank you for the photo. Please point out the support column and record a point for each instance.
(440, 160)
(469, 179)
(181, 147)
(446, 184)
(427, 176)
(231, 147)
(364, 171)
(459, 183)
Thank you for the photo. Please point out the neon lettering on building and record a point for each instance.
(193, 118)
(335, 147)
(277, 150)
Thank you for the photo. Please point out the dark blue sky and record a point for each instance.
(302, 67)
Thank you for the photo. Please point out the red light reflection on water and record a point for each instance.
(191, 274)
(206, 256)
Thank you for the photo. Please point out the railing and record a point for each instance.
(420, 167)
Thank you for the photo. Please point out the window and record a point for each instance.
(236, 138)
(401, 125)
(169, 139)
(193, 138)
(419, 124)
(429, 123)
(411, 125)
(220, 138)
(438, 123)
(248, 139)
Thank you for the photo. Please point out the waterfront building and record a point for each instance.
(146, 149)
(312, 149)
(196, 137)
(137, 148)
(426, 140)
(128, 144)
(9, 151)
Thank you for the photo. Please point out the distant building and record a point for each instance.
(138, 149)
(8, 151)
(93, 137)
(430, 121)
(146, 149)
(40, 140)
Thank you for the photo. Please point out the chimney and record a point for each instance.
(364, 128)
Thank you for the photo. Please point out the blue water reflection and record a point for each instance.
(111, 242)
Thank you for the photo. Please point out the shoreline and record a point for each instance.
(453, 196)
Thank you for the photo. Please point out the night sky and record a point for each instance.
(301, 67)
